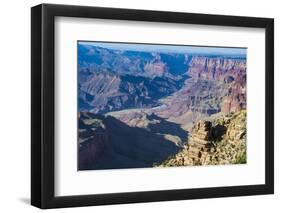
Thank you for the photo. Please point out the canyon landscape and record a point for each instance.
(148, 105)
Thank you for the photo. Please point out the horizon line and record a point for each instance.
(164, 48)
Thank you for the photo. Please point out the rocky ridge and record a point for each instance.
(215, 85)
(93, 140)
(214, 142)
(104, 91)
(232, 72)
(107, 143)
(112, 80)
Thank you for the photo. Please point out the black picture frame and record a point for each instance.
(43, 102)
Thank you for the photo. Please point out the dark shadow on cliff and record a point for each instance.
(166, 127)
(133, 147)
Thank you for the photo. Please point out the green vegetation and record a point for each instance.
(242, 159)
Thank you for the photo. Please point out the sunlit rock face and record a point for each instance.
(214, 142)
(215, 85)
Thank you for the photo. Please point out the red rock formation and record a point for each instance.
(216, 85)
(216, 68)
(215, 142)
(156, 69)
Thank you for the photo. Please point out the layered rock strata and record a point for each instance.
(214, 142)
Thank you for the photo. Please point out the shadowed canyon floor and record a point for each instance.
(106, 142)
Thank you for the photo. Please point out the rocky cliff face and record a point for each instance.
(93, 140)
(216, 85)
(107, 143)
(111, 80)
(229, 71)
(214, 142)
(218, 68)
(141, 63)
(104, 92)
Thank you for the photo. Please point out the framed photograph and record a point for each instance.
(139, 106)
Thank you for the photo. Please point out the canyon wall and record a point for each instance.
(214, 142)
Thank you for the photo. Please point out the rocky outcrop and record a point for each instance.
(235, 98)
(231, 72)
(111, 80)
(141, 63)
(197, 96)
(156, 68)
(216, 85)
(217, 68)
(214, 142)
(104, 91)
(107, 143)
(93, 140)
